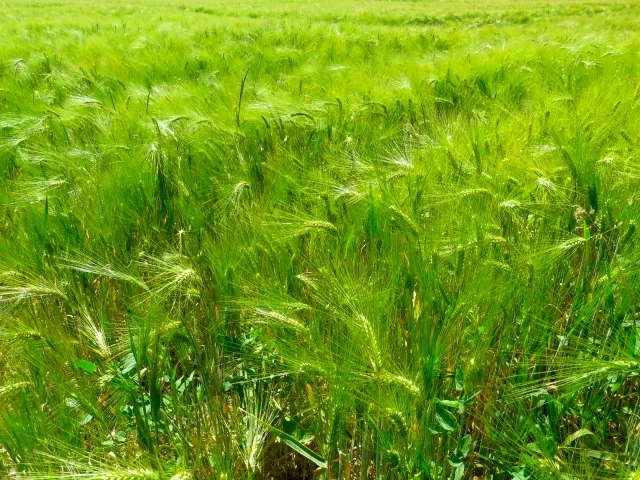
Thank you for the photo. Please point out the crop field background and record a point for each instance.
(319, 240)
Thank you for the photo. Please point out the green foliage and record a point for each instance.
(347, 240)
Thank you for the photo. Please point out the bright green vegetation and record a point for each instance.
(348, 240)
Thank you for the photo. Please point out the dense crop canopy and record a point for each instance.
(337, 240)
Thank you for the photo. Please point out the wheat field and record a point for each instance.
(319, 240)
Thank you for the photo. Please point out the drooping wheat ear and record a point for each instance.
(131, 474)
(182, 476)
(124, 474)
(375, 354)
(9, 390)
